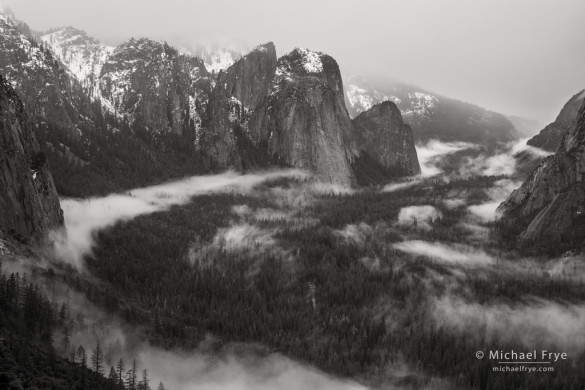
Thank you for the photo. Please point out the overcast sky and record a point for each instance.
(522, 57)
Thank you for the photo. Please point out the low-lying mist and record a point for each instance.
(83, 217)
(535, 323)
(447, 254)
(431, 154)
(232, 366)
(182, 371)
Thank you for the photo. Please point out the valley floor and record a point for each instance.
(386, 288)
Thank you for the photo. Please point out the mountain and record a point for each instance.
(431, 116)
(238, 92)
(144, 112)
(42, 82)
(550, 137)
(119, 77)
(548, 210)
(84, 55)
(154, 88)
(94, 143)
(29, 203)
(381, 133)
(304, 120)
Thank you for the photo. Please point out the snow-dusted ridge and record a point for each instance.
(83, 55)
(311, 60)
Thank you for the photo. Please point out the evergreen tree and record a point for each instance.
(81, 356)
(131, 377)
(120, 371)
(97, 358)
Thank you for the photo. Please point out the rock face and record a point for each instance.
(549, 208)
(42, 82)
(238, 92)
(304, 121)
(155, 88)
(381, 133)
(84, 55)
(550, 137)
(430, 115)
(107, 119)
(114, 118)
(29, 205)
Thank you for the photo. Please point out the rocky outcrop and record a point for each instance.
(304, 122)
(29, 205)
(381, 133)
(549, 208)
(238, 92)
(550, 137)
(43, 84)
(156, 89)
(83, 55)
(119, 117)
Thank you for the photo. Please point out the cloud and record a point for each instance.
(431, 153)
(538, 323)
(401, 186)
(242, 366)
(191, 371)
(355, 233)
(419, 215)
(448, 254)
(84, 217)
(430, 156)
(503, 162)
(454, 203)
(261, 214)
(500, 191)
(243, 236)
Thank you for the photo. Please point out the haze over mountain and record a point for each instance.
(430, 115)
(143, 106)
(418, 43)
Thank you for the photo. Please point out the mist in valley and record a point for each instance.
(84, 217)
(280, 202)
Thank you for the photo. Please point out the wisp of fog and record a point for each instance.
(83, 217)
(446, 254)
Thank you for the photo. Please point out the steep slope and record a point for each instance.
(430, 115)
(82, 54)
(238, 92)
(29, 204)
(549, 208)
(176, 118)
(550, 137)
(154, 88)
(93, 146)
(304, 121)
(381, 133)
(44, 85)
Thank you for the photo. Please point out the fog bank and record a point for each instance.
(84, 217)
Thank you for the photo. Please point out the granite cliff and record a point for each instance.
(549, 208)
(550, 137)
(29, 204)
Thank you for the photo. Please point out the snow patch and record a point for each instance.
(361, 99)
(311, 60)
